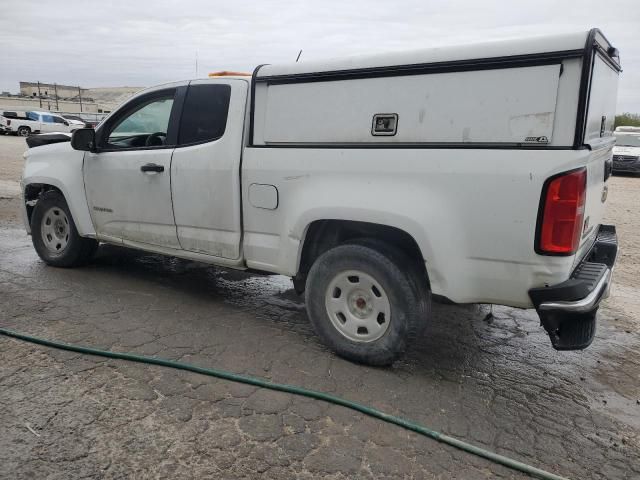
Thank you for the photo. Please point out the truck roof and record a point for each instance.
(44, 112)
(568, 42)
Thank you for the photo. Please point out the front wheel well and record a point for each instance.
(32, 193)
(322, 235)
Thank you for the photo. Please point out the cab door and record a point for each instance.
(61, 125)
(47, 124)
(205, 172)
(128, 179)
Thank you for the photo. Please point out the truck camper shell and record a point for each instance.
(528, 93)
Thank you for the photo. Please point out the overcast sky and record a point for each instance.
(146, 42)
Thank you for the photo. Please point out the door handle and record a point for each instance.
(152, 167)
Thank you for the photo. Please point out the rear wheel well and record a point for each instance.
(322, 235)
(32, 193)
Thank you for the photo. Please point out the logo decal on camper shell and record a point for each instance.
(542, 139)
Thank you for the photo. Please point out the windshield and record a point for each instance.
(629, 140)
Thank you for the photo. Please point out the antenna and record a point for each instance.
(196, 63)
(298, 57)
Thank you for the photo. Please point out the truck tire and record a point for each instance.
(365, 304)
(54, 234)
(24, 131)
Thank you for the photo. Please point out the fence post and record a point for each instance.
(55, 88)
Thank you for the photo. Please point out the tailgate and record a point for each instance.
(599, 165)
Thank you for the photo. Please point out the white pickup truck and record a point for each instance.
(475, 173)
(626, 153)
(39, 122)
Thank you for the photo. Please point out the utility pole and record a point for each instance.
(39, 94)
(80, 95)
(55, 88)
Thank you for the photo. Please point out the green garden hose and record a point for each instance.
(295, 390)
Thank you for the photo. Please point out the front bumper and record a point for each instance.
(625, 163)
(567, 311)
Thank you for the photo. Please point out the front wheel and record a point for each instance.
(54, 234)
(364, 303)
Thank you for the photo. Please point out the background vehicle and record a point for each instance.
(6, 118)
(40, 122)
(92, 119)
(476, 173)
(626, 153)
(75, 120)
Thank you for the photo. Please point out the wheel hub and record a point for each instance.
(358, 306)
(60, 228)
(55, 230)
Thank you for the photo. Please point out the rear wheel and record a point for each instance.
(54, 234)
(24, 131)
(365, 304)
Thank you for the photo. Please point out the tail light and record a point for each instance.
(562, 213)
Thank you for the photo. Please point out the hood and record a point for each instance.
(51, 152)
(47, 138)
(632, 151)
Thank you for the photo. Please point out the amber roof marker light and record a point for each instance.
(227, 73)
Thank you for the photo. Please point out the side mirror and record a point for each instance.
(66, 123)
(84, 139)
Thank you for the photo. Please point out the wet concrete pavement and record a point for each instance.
(496, 384)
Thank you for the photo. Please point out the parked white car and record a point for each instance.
(40, 122)
(74, 120)
(476, 173)
(626, 153)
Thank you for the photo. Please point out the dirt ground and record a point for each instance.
(497, 384)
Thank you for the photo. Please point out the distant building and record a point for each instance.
(32, 89)
(65, 98)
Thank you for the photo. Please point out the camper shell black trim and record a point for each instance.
(596, 44)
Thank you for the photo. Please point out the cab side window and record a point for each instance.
(204, 115)
(47, 118)
(145, 125)
(58, 120)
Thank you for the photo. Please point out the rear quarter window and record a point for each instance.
(204, 116)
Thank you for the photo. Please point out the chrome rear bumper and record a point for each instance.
(567, 311)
